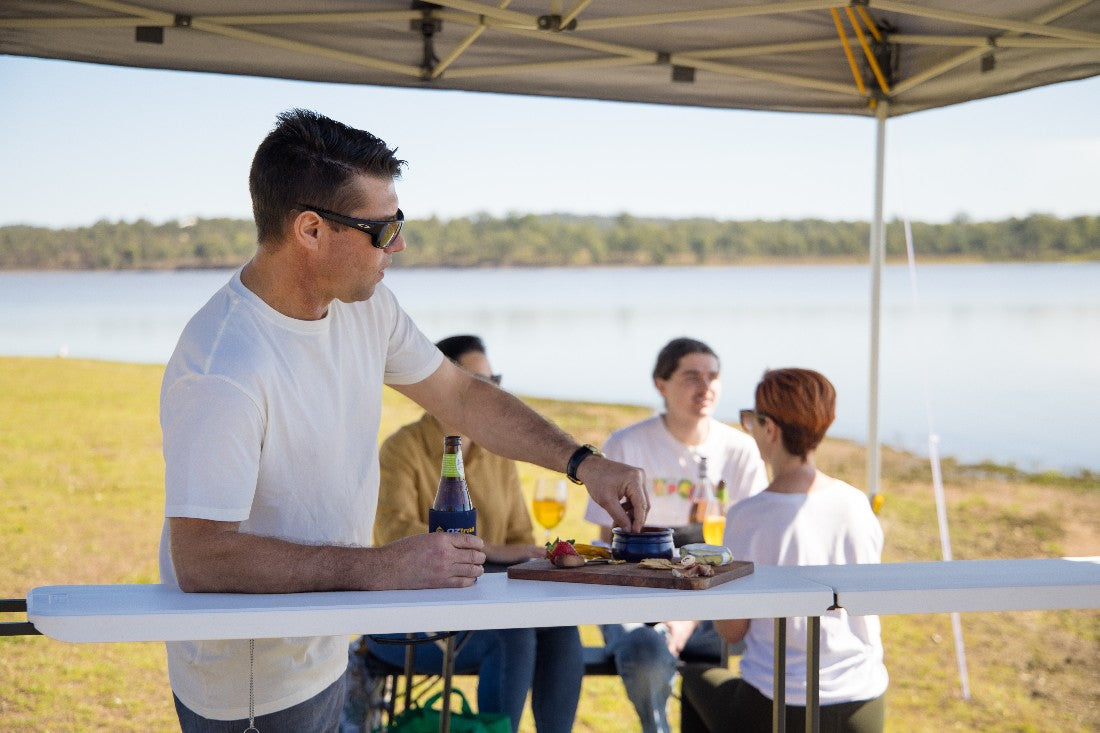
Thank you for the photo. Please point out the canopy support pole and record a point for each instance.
(878, 249)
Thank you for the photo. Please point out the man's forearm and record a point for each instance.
(509, 428)
(221, 559)
(492, 418)
(214, 557)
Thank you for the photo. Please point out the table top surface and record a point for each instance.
(962, 585)
(159, 613)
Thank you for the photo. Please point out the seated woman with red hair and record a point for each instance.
(804, 517)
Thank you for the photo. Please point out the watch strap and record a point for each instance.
(575, 460)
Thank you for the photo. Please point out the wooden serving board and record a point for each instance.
(626, 574)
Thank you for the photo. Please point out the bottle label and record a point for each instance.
(450, 464)
(456, 522)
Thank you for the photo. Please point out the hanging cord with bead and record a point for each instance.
(251, 688)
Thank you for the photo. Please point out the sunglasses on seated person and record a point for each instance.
(748, 417)
(382, 232)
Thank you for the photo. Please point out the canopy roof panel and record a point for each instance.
(799, 55)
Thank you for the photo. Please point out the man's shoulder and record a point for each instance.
(641, 429)
(730, 437)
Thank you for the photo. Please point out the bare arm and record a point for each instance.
(215, 557)
(679, 632)
(732, 630)
(506, 426)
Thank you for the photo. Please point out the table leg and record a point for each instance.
(813, 674)
(448, 674)
(410, 661)
(779, 689)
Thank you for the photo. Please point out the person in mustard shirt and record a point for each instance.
(548, 662)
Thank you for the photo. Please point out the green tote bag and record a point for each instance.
(425, 718)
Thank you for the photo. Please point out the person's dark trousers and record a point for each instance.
(715, 700)
(319, 714)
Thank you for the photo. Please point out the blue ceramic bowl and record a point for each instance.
(635, 546)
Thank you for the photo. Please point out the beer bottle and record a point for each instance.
(701, 494)
(723, 494)
(452, 510)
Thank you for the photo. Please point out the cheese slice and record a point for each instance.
(707, 554)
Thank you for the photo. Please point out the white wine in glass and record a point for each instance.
(548, 504)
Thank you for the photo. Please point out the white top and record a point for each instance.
(672, 468)
(831, 525)
(273, 422)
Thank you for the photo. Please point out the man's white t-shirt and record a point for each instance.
(831, 525)
(273, 422)
(672, 468)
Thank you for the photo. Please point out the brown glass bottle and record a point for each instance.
(452, 510)
(701, 494)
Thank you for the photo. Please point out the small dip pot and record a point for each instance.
(635, 546)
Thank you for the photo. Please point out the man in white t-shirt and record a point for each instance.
(270, 409)
(669, 447)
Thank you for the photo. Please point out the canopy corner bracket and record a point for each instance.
(680, 74)
(554, 24)
(155, 33)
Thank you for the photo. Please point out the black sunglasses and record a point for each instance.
(382, 233)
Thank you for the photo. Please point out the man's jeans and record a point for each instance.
(648, 668)
(319, 714)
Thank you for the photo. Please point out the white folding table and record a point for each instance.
(98, 613)
(107, 613)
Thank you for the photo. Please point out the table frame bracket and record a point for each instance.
(16, 628)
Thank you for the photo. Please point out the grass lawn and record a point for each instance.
(81, 499)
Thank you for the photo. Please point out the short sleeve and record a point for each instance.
(213, 432)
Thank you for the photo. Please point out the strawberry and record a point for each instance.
(563, 555)
(560, 547)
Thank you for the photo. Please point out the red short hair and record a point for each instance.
(802, 402)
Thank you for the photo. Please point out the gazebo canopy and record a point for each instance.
(800, 56)
(877, 58)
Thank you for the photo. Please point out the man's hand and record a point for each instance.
(432, 560)
(619, 489)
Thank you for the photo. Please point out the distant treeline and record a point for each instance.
(559, 239)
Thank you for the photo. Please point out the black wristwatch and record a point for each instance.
(577, 458)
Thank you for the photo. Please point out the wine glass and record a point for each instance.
(548, 503)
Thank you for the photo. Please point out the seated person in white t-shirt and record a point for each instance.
(668, 447)
(803, 518)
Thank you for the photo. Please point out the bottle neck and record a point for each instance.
(452, 458)
(705, 487)
(452, 465)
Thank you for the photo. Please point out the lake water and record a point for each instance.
(1005, 358)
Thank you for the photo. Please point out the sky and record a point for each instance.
(81, 143)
